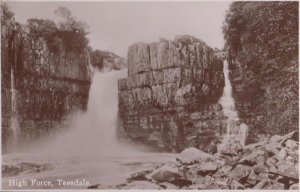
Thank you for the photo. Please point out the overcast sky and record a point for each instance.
(116, 25)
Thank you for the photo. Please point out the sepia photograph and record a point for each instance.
(157, 95)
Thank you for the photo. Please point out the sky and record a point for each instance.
(115, 26)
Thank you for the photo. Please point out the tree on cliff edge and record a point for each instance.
(71, 30)
(69, 22)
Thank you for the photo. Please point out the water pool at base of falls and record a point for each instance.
(88, 151)
(75, 171)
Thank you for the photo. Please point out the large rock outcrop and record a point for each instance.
(170, 98)
(40, 88)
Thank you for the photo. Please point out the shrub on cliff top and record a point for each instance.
(70, 34)
(41, 27)
(69, 22)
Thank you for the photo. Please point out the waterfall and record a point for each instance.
(93, 132)
(234, 130)
(15, 129)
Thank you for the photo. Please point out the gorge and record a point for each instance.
(175, 114)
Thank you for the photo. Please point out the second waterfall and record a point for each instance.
(235, 130)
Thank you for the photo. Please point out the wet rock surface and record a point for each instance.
(170, 97)
(255, 167)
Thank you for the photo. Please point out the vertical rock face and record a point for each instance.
(264, 65)
(267, 104)
(48, 86)
(170, 98)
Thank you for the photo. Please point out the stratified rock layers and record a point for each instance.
(170, 98)
(48, 85)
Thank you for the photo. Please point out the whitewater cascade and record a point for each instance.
(93, 132)
(234, 129)
(88, 148)
(15, 129)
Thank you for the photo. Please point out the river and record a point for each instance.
(88, 153)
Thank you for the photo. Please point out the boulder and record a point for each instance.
(294, 186)
(221, 184)
(282, 154)
(198, 179)
(223, 172)
(253, 178)
(269, 184)
(276, 138)
(253, 158)
(139, 176)
(236, 185)
(273, 148)
(287, 169)
(193, 154)
(293, 157)
(167, 185)
(207, 168)
(240, 172)
(271, 163)
(260, 168)
(291, 144)
(230, 146)
(165, 173)
(253, 146)
(210, 182)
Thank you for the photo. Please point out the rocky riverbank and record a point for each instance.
(272, 164)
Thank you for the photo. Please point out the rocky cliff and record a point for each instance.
(40, 88)
(170, 98)
(262, 50)
(107, 61)
(267, 104)
(112, 61)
